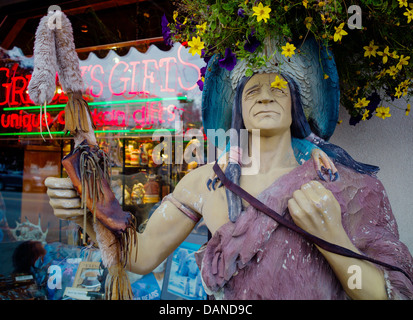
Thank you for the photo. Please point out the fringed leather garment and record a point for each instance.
(87, 166)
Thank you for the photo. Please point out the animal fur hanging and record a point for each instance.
(87, 166)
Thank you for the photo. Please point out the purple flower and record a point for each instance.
(252, 43)
(355, 119)
(200, 84)
(166, 32)
(241, 12)
(203, 71)
(229, 61)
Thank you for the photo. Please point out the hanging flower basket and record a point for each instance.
(371, 41)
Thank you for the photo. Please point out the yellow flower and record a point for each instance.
(339, 32)
(408, 109)
(403, 62)
(326, 76)
(402, 3)
(394, 55)
(288, 50)
(278, 83)
(365, 115)
(385, 54)
(175, 15)
(398, 93)
(362, 103)
(305, 3)
(405, 83)
(286, 8)
(262, 13)
(381, 74)
(404, 86)
(383, 112)
(321, 4)
(409, 15)
(404, 91)
(201, 28)
(196, 46)
(308, 22)
(392, 71)
(370, 49)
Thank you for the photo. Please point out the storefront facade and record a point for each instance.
(146, 106)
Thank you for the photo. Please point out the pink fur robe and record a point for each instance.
(255, 258)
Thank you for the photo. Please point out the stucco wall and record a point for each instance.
(388, 144)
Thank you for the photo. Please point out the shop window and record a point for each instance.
(138, 101)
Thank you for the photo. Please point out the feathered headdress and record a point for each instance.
(319, 96)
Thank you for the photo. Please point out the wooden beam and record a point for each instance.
(17, 27)
(120, 44)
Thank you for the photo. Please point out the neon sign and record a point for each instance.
(151, 78)
(152, 113)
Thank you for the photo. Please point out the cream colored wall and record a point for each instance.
(388, 144)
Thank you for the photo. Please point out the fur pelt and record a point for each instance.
(42, 85)
(68, 69)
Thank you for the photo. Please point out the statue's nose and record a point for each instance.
(265, 100)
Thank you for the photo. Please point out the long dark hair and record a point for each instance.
(300, 129)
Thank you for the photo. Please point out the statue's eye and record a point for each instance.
(277, 91)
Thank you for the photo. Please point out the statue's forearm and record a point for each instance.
(360, 279)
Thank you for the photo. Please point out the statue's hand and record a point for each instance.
(316, 210)
(64, 199)
(323, 164)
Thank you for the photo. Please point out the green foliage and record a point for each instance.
(229, 24)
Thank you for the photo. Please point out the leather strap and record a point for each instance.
(282, 221)
(191, 214)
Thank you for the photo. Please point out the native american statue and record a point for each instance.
(292, 229)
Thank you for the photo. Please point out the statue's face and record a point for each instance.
(264, 107)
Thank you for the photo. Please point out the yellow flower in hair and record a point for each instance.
(288, 50)
(279, 83)
(383, 112)
(262, 13)
(339, 32)
(196, 46)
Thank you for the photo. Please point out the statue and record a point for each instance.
(251, 256)
(293, 267)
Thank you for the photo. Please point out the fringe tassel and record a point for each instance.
(76, 112)
(95, 166)
(117, 285)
